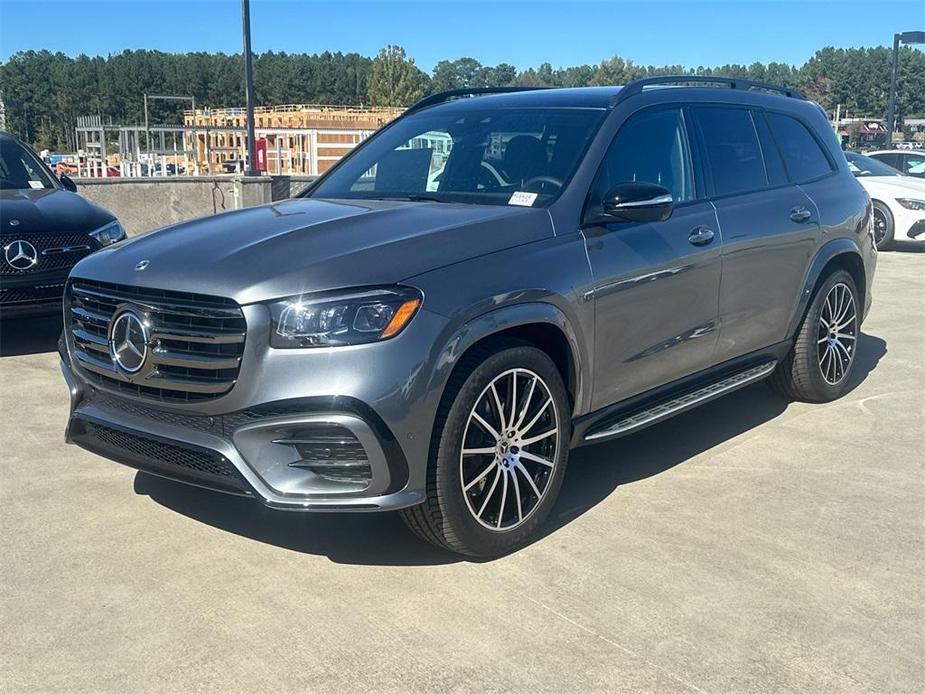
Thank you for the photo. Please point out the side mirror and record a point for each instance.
(68, 183)
(638, 202)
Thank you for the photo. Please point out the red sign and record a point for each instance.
(260, 149)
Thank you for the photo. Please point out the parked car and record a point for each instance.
(910, 163)
(45, 228)
(899, 200)
(373, 345)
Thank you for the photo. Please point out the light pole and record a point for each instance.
(249, 89)
(907, 37)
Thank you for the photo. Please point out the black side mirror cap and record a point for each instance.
(637, 202)
(68, 183)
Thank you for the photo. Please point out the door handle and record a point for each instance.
(800, 214)
(701, 236)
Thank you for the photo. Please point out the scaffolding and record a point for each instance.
(301, 139)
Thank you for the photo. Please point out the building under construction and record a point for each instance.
(300, 139)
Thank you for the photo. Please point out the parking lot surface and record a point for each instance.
(750, 545)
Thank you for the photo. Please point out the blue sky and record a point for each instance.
(523, 33)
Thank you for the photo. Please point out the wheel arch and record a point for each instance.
(539, 324)
(841, 253)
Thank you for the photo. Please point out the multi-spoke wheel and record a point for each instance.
(509, 449)
(501, 447)
(838, 333)
(883, 225)
(819, 365)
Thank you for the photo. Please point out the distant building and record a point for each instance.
(301, 139)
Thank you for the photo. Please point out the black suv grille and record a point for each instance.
(53, 251)
(195, 341)
(197, 466)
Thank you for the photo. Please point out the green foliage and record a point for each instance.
(44, 92)
(394, 79)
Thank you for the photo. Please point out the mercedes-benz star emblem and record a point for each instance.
(128, 341)
(21, 255)
(142, 265)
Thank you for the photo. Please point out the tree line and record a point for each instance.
(44, 93)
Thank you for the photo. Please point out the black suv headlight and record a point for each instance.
(108, 234)
(351, 317)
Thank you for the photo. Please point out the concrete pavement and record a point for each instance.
(752, 545)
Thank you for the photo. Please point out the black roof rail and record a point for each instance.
(636, 86)
(441, 97)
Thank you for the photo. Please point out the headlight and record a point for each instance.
(109, 234)
(348, 318)
(911, 204)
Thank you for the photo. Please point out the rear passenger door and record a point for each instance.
(656, 285)
(769, 226)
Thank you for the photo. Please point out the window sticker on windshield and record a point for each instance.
(36, 184)
(522, 199)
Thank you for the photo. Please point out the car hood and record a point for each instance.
(304, 245)
(894, 185)
(48, 211)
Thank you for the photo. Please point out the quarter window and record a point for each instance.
(804, 157)
(650, 148)
(732, 151)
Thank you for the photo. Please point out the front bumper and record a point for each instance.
(239, 452)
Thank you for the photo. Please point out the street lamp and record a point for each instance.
(908, 37)
(250, 170)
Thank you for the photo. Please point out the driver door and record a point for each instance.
(656, 284)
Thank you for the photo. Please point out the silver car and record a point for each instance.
(584, 263)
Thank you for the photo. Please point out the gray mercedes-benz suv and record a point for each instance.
(482, 285)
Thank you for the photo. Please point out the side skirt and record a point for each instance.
(655, 406)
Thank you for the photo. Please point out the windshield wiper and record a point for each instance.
(413, 197)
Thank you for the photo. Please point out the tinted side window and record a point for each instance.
(889, 159)
(651, 148)
(804, 157)
(777, 175)
(732, 151)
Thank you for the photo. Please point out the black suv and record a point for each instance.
(492, 279)
(45, 228)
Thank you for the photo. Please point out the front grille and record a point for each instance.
(54, 251)
(194, 465)
(195, 342)
(31, 295)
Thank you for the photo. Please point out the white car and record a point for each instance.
(899, 200)
(909, 162)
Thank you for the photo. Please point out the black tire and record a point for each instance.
(447, 518)
(883, 226)
(800, 375)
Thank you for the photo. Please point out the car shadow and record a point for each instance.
(907, 247)
(594, 473)
(21, 336)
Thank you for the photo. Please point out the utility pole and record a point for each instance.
(249, 90)
(908, 37)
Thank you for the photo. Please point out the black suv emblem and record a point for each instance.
(21, 255)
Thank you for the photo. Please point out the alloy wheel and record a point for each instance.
(879, 226)
(838, 333)
(509, 451)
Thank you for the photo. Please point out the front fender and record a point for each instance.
(504, 318)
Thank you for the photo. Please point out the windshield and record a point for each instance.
(865, 166)
(20, 169)
(492, 157)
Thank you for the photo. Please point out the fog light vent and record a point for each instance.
(331, 452)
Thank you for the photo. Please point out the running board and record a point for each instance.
(670, 408)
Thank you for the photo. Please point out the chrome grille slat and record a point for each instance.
(193, 360)
(195, 346)
(199, 336)
(180, 308)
